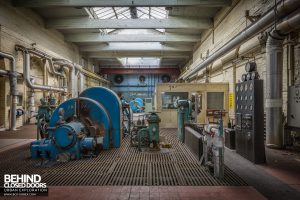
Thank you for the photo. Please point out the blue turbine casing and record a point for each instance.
(88, 143)
(65, 135)
(110, 100)
(136, 105)
(78, 125)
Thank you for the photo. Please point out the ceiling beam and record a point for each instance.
(156, 70)
(170, 23)
(120, 3)
(116, 54)
(97, 37)
(144, 47)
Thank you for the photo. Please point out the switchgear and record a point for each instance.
(250, 119)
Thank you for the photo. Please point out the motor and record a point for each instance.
(45, 110)
(147, 136)
(184, 115)
(127, 116)
(137, 105)
(82, 127)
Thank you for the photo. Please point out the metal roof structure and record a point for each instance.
(107, 31)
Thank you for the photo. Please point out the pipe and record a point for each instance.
(273, 102)
(31, 104)
(296, 76)
(274, 71)
(4, 72)
(53, 70)
(290, 59)
(90, 74)
(64, 63)
(248, 47)
(284, 8)
(71, 68)
(291, 22)
(42, 55)
(26, 69)
(13, 89)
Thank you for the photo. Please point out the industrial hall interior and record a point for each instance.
(150, 99)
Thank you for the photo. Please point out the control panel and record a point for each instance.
(294, 106)
(249, 120)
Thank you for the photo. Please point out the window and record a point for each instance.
(168, 98)
(140, 61)
(215, 100)
(129, 13)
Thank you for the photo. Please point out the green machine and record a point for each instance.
(43, 116)
(148, 137)
(184, 115)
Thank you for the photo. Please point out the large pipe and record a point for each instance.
(26, 69)
(72, 67)
(90, 74)
(53, 70)
(284, 8)
(273, 103)
(274, 71)
(248, 47)
(64, 63)
(4, 72)
(290, 54)
(13, 89)
(72, 80)
(41, 55)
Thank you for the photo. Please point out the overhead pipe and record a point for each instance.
(274, 71)
(80, 69)
(13, 89)
(4, 72)
(41, 55)
(90, 74)
(26, 74)
(72, 79)
(64, 63)
(284, 7)
(246, 48)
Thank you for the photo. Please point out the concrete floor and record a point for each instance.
(278, 179)
(268, 184)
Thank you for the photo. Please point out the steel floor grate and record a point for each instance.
(124, 166)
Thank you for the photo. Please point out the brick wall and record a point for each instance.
(227, 23)
(24, 27)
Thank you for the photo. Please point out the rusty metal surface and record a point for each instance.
(124, 166)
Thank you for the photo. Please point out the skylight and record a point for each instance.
(140, 61)
(129, 13)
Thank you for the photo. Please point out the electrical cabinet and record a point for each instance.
(148, 105)
(229, 138)
(293, 118)
(249, 120)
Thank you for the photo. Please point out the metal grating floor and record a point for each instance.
(124, 166)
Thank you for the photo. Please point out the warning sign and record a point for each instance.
(231, 100)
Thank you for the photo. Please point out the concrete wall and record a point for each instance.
(227, 23)
(22, 26)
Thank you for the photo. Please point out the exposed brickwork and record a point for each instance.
(229, 22)
(24, 27)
